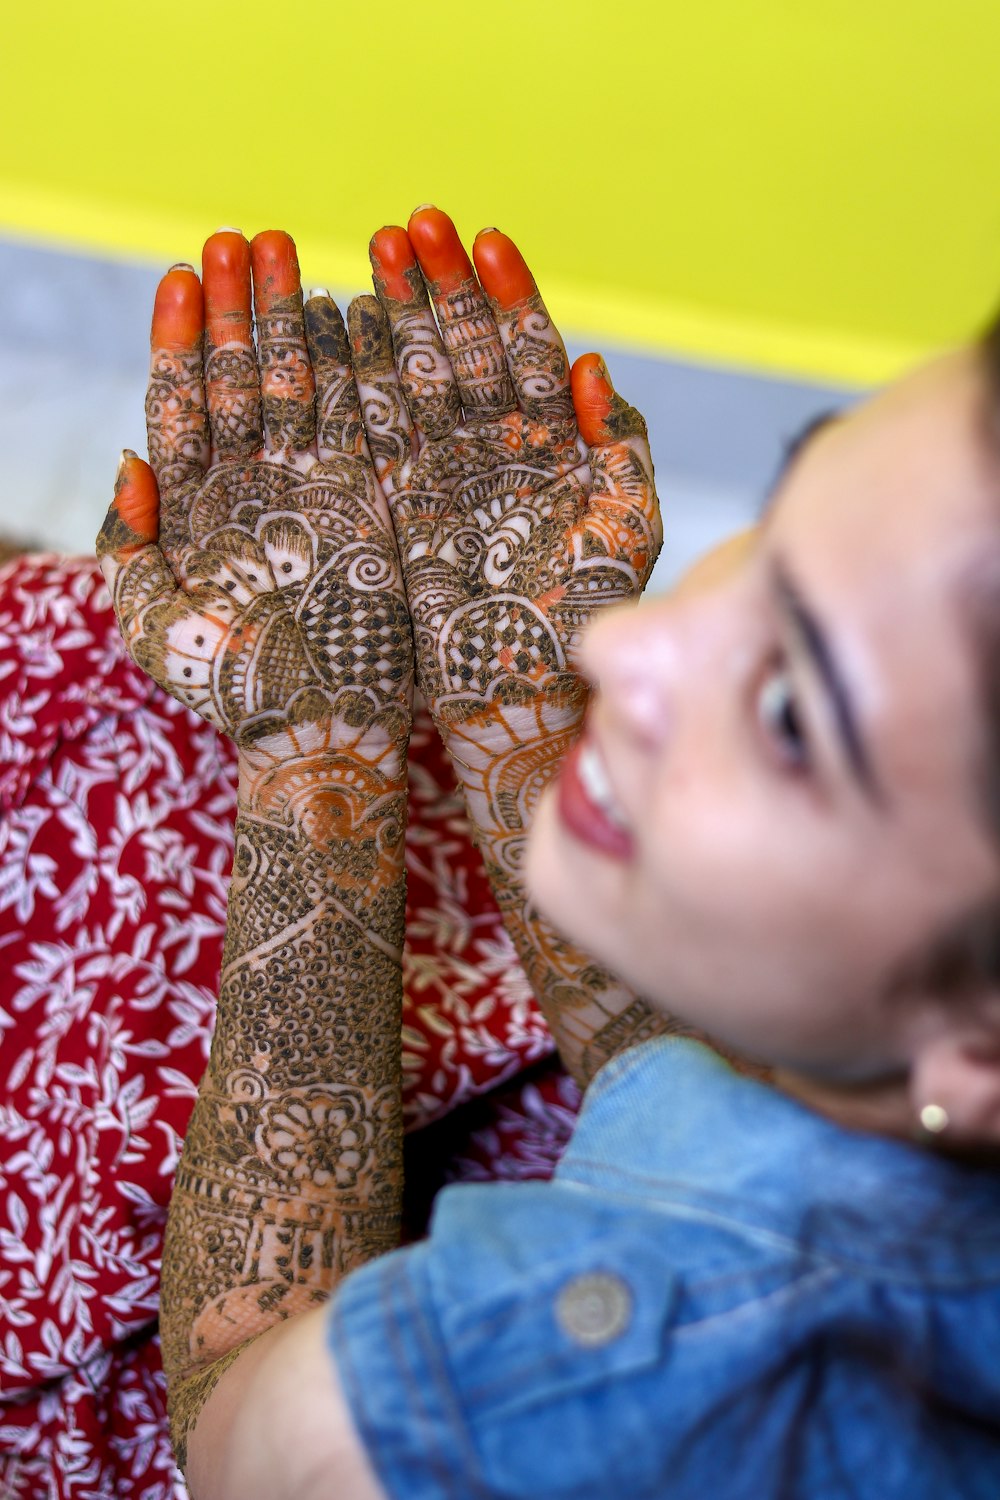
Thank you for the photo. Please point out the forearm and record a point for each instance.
(504, 757)
(291, 1170)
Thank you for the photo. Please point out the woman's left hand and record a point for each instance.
(522, 496)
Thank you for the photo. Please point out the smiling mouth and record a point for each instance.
(587, 804)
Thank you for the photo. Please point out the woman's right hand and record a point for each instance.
(252, 565)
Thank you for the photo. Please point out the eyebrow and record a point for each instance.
(816, 643)
(793, 449)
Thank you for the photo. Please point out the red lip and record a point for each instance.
(584, 819)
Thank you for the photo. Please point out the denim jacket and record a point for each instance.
(720, 1295)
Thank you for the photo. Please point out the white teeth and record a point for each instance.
(597, 786)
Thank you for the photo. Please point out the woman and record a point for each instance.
(775, 825)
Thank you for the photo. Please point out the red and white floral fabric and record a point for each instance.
(116, 820)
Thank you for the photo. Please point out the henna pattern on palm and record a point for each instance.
(269, 599)
(513, 532)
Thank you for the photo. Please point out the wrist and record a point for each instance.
(504, 757)
(289, 773)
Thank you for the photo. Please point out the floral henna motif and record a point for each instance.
(291, 1172)
(265, 593)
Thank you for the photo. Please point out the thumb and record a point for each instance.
(602, 415)
(133, 520)
(624, 511)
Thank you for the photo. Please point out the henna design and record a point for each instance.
(391, 438)
(338, 414)
(233, 393)
(175, 414)
(232, 380)
(424, 369)
(474, 348)
(291, 1172)
(512, 531)
(286, 383)
(537, 359)
(274, 607)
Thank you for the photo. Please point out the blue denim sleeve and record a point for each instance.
(508, 1354)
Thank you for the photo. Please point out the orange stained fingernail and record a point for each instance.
(178, 310)
(275, 267)
(502, 268)
(439, 250)
(392, 257)
(225, 265)
(137, 499)
(593, 396)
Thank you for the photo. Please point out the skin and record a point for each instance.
(254, 574)
(255, 577)
(523, 501)
(768, 896)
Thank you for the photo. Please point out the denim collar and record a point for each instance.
(670, 1120)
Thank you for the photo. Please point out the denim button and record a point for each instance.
(594, 1308)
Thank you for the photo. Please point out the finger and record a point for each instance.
(536, 355)
(467, 327)
(338, 411)
(176, 418)
(134, 568)
(624, 512)
(133, 520)
(231, 378)
(286, 378)
(424, 369)
(391, 439)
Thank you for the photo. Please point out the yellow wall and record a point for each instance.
(784, 183)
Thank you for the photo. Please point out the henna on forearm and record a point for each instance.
(504, 757)
(512, 532)
(291, 1172)
(265, 593)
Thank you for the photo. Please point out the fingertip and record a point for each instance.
(438, 248)
(178, 310)
(393, 262)
(593, 396)
(225, 253)
(502, 269)
(368, 331)
(275, 266)
(137, 501)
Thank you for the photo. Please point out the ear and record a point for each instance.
(958, 1068)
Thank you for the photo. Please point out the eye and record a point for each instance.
(780, 719)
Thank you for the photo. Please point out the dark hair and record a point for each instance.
(966, 955)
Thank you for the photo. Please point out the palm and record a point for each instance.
(274, 593)
(510, 534)
(291, 591)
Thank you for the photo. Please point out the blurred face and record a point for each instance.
(774, 801)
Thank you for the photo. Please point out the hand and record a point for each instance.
(253, 567)
(522, 495)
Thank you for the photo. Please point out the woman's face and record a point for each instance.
(774, 801)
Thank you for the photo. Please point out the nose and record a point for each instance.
(643, 658)
(630, 656)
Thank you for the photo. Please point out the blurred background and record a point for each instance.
(755, 211)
